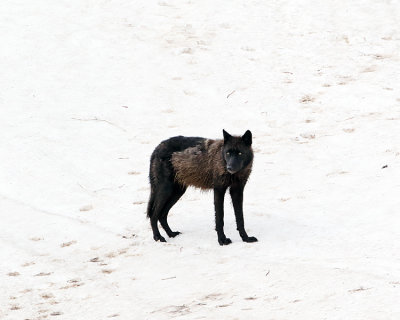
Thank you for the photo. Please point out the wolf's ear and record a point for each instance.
(247, 138)
(227, 136)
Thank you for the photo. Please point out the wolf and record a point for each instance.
(180, 162)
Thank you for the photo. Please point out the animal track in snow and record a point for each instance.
(43, 274)
(86, 208)
(369, 69)
(36, 239)
(27, 264)
(307, 99)
(67, 244)
(138, 202)
(47, 295)
(107, 271)
(15, 307)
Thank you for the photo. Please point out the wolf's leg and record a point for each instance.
(236, 192)
(178, 191)
(219, 195)
(162, 194)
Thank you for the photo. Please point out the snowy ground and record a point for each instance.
(89, 88)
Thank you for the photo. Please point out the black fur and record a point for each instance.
(180, 162)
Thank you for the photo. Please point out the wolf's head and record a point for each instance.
(237, 151)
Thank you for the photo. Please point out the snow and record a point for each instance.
(89, 88)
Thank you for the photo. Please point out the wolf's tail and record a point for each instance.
(150, 205)
(153, 186)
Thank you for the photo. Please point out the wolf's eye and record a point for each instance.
(240, 153)
(228, 153)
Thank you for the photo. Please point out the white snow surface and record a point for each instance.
(89, 88)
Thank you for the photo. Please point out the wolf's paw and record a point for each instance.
(250, 239)
(224, 241)
(159, 238)
(173, 234)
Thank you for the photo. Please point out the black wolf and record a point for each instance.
(180, 162)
